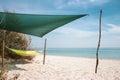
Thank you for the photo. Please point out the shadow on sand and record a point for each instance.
(11, 65)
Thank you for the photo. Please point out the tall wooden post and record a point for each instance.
(97, 59)
(3, 48)
(44, 51)
(3, 42)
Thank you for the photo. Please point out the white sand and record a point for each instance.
(66, 68)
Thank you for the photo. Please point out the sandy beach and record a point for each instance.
(65, 68)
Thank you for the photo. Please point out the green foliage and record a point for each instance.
(14, 40)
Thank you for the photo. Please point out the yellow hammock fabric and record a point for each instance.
(23, 52)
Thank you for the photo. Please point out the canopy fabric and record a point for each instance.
(34, 24)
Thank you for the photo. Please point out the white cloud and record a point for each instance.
(93, 0)
(99, 1)
(74, 32)
(111, 37)
(80, 3)
(113, 28)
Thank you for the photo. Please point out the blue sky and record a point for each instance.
(79, 33)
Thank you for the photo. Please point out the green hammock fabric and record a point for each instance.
(23, 52)
(34, 24)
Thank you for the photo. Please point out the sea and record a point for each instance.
(104, 53)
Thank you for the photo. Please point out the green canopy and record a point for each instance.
(34, 24)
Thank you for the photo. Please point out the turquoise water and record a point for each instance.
(104, 53)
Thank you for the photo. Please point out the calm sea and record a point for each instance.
(104, 53)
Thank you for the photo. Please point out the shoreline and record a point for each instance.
(66, 68)
(104, 53)
(84, 57)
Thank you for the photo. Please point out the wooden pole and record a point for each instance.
(3, 42)
(44, 51)
(3, 48)
(97, 58)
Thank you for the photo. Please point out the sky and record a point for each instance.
(81, 33)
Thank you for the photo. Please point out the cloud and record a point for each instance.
(80, 3)
(71, 37)
(98, 1)
(111, 37)
(74, 32)
(115, 29)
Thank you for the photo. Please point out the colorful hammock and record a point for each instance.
(23, 52)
